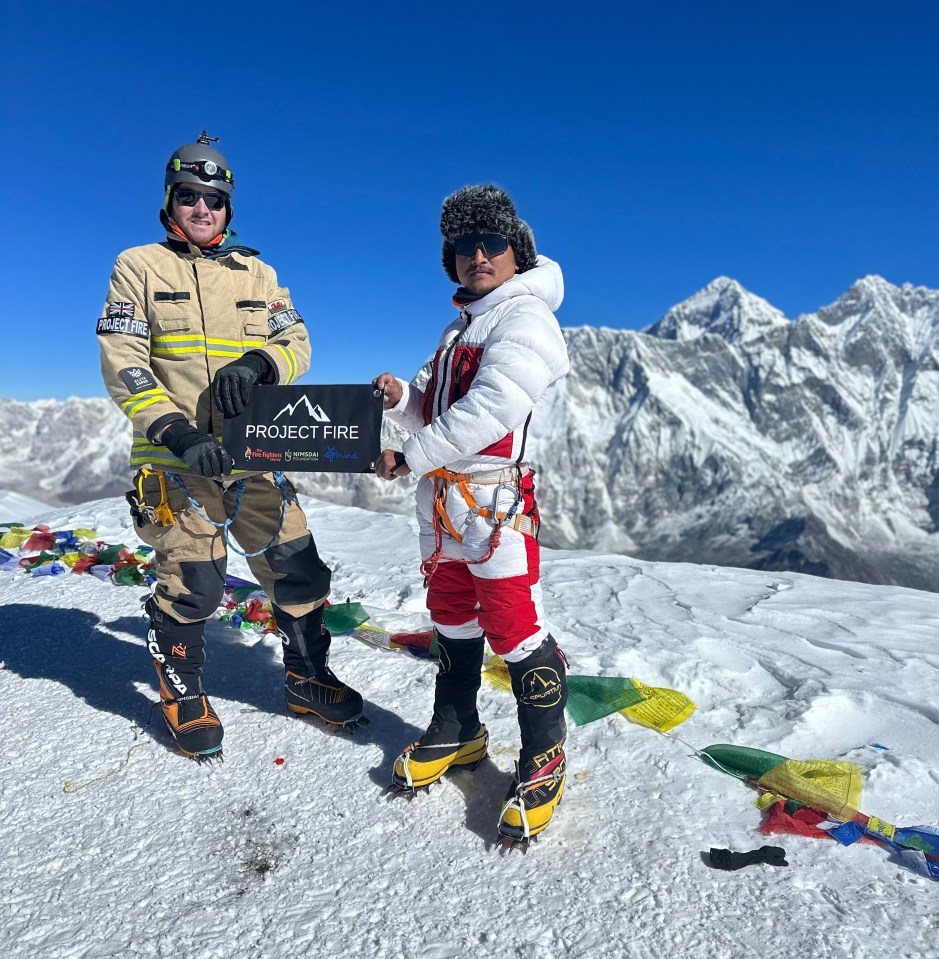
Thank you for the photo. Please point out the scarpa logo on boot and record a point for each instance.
(541, 686)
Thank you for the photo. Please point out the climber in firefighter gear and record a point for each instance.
(476, 506)
(189, 326)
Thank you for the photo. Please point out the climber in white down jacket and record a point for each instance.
(476, 500)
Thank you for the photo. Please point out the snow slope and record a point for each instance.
(151, 855)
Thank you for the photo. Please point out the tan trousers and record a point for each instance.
(191, 555)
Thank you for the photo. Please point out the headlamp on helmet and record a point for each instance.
(199, 162)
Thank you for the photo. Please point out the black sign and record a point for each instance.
(333, 429)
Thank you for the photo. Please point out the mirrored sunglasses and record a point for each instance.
(184, 197)
(492, 243)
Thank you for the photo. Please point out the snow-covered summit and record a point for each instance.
(723, 308)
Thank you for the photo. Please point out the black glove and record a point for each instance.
(203, 454)
(725, 859)
(231, 388)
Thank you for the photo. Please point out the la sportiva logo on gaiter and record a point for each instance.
(541, 687)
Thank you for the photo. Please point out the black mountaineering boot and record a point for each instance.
(312, 688)
(178, 651)
(455, 736)
(539, 683)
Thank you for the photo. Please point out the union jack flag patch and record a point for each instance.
(121, 311)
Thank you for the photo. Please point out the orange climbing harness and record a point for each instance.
(509, 477)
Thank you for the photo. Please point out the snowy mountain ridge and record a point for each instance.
(725, 434)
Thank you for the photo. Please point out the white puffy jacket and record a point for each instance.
(493, 364)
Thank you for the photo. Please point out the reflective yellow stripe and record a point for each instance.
(181, 343)
(134, 410)
(143, 453)
(141, 401)
(175, 345)
(137, 397)
(150, 454)
(213, 341)
(291, 359)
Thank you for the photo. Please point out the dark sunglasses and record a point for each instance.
(214, 201)
(492, 243)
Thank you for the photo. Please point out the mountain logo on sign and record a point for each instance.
(316, 412)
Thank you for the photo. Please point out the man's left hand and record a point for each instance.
(390, 465)
(232, 386)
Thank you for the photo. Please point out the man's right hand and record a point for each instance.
(203, 454)
(390, 386)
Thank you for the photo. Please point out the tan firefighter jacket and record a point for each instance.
(173, 317)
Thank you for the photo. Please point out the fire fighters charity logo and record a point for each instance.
(269, 455)
(541, 686)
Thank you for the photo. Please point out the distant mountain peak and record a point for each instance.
(724, 308)
(870, 294)
(871, 289)
(721, 284)
(873, 282)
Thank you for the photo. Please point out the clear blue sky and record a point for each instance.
(651, 147)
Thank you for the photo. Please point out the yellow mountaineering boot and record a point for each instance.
(455, 736)
(441, 747)
(539, 682)
(533, 796)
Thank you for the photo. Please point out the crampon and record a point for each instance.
(440, 749)
(535, 793)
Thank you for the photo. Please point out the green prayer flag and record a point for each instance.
(593, 697)
(128, 576)
(111, 554)
(240, 593)
(344, 617)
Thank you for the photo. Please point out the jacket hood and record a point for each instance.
(544, 280)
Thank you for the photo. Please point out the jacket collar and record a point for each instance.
(179, 243)
(544, 281)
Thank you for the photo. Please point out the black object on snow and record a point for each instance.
(725, 859)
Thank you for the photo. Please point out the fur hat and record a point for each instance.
(484, 209)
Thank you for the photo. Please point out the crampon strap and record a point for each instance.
(550, 773)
